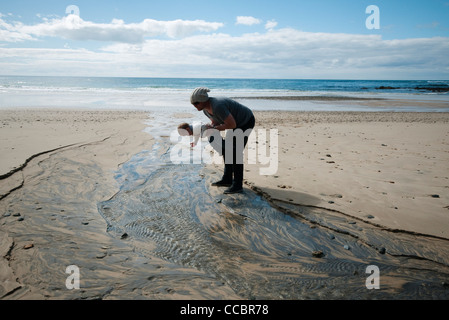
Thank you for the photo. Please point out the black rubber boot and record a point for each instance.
(233, 189)
(237, 185)
(226, 181)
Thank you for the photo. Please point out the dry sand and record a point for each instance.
(391, 169)
(388, 170)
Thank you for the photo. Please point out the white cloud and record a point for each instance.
(246, 20)
(293, 53)
(10, 33)
(283, 53)
(271, 24)
(75, 28)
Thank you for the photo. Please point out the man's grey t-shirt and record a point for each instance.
(222, 107)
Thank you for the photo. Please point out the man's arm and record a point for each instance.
(229, 123)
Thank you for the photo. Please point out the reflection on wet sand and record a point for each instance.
(164, 233)
(263, 248)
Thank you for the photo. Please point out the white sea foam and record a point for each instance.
(174, 94)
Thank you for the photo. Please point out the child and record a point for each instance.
(196, 130)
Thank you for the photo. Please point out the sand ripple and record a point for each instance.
(260, 249)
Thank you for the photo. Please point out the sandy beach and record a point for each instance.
(92, 189)
(391, 167)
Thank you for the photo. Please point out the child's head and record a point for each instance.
(185, 129)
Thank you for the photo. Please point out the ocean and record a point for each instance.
(259, 94)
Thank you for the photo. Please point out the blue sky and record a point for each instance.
(243, 39)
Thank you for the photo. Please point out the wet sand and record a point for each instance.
(92, 189)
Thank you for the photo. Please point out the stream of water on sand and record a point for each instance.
(260, 251)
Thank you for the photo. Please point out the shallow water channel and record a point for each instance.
(261, 252)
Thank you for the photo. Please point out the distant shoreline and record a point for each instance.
(151, 94)
(316, 98)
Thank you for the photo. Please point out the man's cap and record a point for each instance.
(199, 95)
